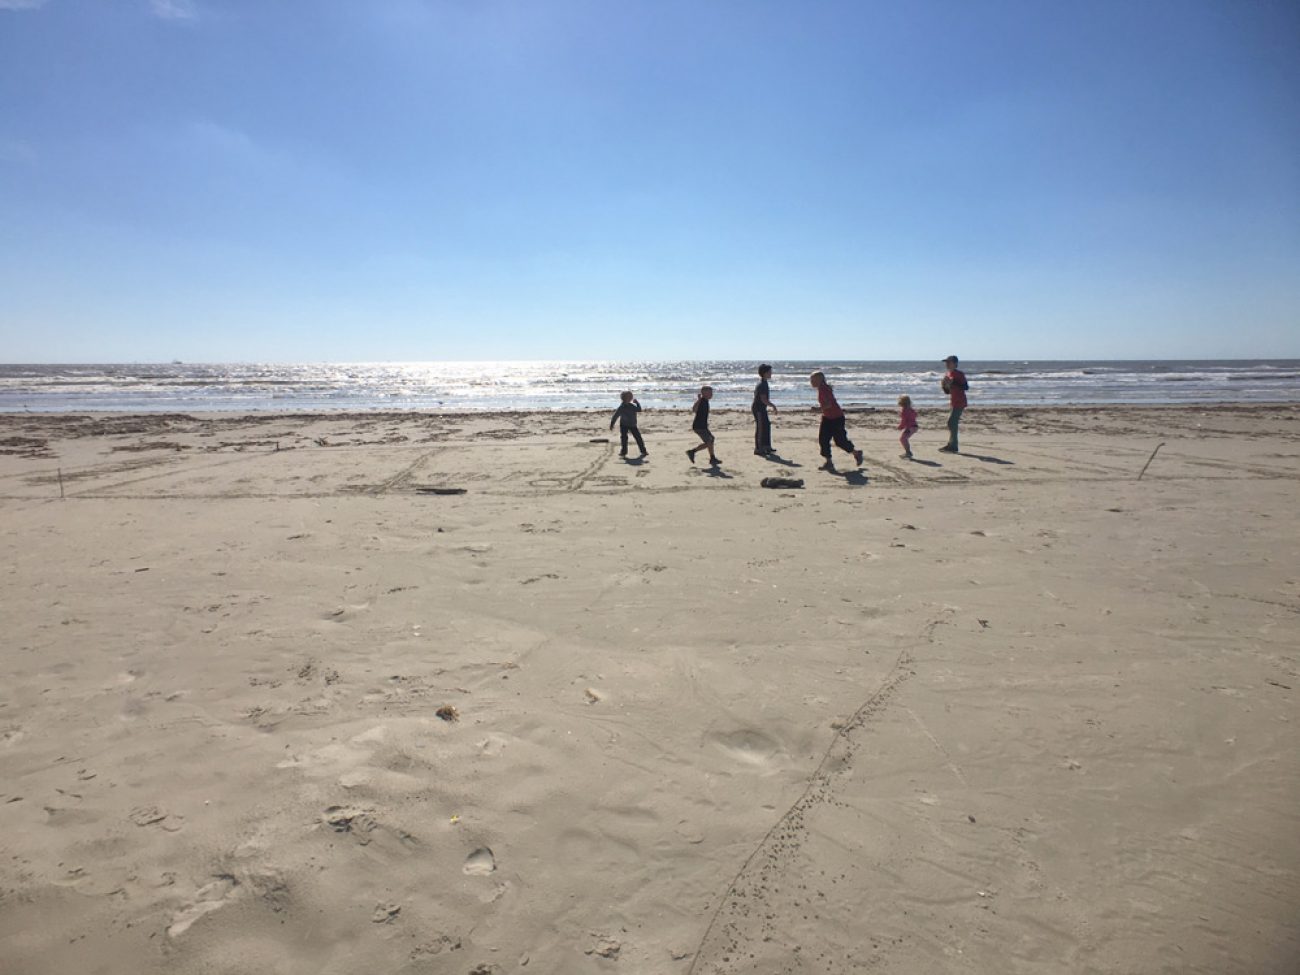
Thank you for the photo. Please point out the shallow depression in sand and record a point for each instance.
(480, 863)
(747, 746)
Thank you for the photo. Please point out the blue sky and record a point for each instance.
(215, 180)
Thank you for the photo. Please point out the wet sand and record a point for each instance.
(471, 693)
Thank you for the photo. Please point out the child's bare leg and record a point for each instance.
(704, 442)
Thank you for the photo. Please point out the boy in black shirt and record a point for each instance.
(626, 417)
(762, 423)
(701, 425)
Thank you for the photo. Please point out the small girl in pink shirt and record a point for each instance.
(907, 423)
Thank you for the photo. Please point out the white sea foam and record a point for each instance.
(182, 387)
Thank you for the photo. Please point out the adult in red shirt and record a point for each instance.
(955, 385)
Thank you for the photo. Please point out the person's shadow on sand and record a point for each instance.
(713, 470)
(634, 461)
(991, 460)
(856, 478)
(924, 463)
(775, 458)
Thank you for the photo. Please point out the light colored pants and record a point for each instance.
(954, 420)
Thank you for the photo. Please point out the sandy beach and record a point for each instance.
(408, 693)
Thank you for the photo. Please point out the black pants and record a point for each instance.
(762, 429)
(833, 430)
(623, 431)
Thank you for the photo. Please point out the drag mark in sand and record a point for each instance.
(1234, 468)
(893, 469)
(785, 835)
(561, 485)
(947, 759)
(404, 475)
(171, 465)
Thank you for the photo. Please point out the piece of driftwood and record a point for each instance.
(782, 482)
(439, 490)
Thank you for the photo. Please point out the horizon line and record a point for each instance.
(473, 361)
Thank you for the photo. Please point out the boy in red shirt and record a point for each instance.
(832, 427)
(955, 385)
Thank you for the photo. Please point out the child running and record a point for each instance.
(832, 427)
(626, 417)
(701, 425)
(907, 423)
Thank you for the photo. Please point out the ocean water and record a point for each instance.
(471, 386)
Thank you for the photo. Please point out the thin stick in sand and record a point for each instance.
(1149, 460)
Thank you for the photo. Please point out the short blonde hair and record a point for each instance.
(904, 400)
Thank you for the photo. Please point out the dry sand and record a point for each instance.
(1012, 711)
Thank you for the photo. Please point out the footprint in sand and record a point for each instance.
(210, 897)
(480, 863)
(344, 614)
(385, 913)
(349, 819)
(154, 816)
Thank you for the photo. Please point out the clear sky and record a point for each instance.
(343, 180)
